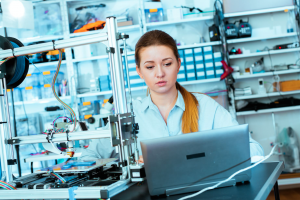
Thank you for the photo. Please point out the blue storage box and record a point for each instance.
(181, 76)
(188, 52)
(137, 83)
(46, 91)
(47, 76)
(209, 70)
(219, 72)
(200, 75)
(217, 57)
(207, 50)
(154, 15)
(104, 83)
(190, 72)
(31, 93)
(198, 51)
(218, 65)
(208, 58)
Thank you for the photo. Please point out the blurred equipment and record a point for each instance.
(261, 87)
(245, 29)
(242, 91)
(91, 26)
(287, 46)
(214, 33)
(227, 70)
(285, 86)
(288, 149)
(231, 30)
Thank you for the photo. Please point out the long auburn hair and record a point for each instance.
(190, 116)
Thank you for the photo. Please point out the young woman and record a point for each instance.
(170, 109)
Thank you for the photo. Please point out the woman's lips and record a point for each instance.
(161, 83)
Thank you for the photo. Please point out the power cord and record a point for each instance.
(233, 175)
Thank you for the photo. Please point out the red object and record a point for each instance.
(243, 26)
(239, 51)
(227, 70)
(279, 47)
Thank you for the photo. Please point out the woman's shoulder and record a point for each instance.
(206, 100)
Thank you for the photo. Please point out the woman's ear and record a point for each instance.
(179, 64)
(139, 72)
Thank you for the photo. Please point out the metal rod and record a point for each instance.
(113, 82)
(120, 97)
(3, 130)
(276, 191)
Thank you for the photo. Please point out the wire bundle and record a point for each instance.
(57, 176)
(6, 186)
(60, 118)
(73, 116)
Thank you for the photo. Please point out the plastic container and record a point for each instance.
(104, 83)
(47, 118)
(31, 93)
(31, 80)
(47, 76)
(154, 15)
(46, 91)
(86, 108)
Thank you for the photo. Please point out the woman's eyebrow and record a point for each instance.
(149, 62)
(167, 59)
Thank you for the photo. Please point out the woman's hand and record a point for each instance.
(141, 160)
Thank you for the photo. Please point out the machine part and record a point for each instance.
(61, 125)
(231, 31)
(138, 173)
(261, 86)
(214, 34)
(227, 70)
(287, 46)
(14, 69)
(245, 29)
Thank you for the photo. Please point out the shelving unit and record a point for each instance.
(251, 39)
(164, 23)
(264, 53)
(47, 64)
(256, 12)
(41, 101)
(271, 110)
(281, 72)
(271, 94)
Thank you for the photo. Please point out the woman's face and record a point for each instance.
(159, 68)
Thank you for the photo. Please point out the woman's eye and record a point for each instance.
(149, 67)
(168, 64)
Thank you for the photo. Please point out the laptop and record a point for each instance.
(191, 162)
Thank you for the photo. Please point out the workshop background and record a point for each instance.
(263, 46)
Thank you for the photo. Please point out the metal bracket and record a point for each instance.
(13, 141)
(3, 122)
(110, 50)
(71, 192)
(104, 194)
(122, 36)
(12, 161)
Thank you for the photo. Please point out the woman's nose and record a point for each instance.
(160, 72)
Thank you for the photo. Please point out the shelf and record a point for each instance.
(163, 23)
(41, 101)
(271, 94)
(271, 52)
(145, 87)
(289, 181)
(243, 113)
(46, 64)
(97, 57)
(281, 72)
(240, 40)
(41, 38)
(120, 29)
(199, 45)
(256, 12)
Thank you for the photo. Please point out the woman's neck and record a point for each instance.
(165, 99)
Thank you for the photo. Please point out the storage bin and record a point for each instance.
(217, 57)
(200, 71)
(17, 94)
(137, 83)
(28, 125)
(31, 93)
(46, 91)
(48, 117)
(209, 70)
(31, 80)
(90, 107)
(47, 76)
(154, 15)
(104, 83)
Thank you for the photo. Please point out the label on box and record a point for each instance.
(180, 76)
(208, 57)
(210, 72)
(199, 66)
(130, 58)
(136, 174)
(209, 65)
(133, 73)
(200, 73)
(219, 71)
(87, 116)
(188, 51)
(181, 68)
(198, 58)
(131, 65)
(153, 10)
(207, 48)
(29, 88)
(46, 73)
(189, 59)
(134, 81)
(47, 85)
(87, 103)
(198, 50)
(28, 75)
(217, 55)
(190, 75)
(181, 59)
(190, 67)
(218, 64)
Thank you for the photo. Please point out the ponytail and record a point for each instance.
(190, 116)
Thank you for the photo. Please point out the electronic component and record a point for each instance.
(261, 87)
(287, 46)
(245, 29)
(83, 126)
(231, 31)
(214, 34)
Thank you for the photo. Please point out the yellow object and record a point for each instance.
(87, 116)
(86, 103)
(153, 10)
(105, 100)
(46, 73)
(47, 85)
(29, 88)
(54, 52)
(28, 75)
(286, 86)
(286, 10)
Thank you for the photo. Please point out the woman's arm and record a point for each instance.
(223, 118)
